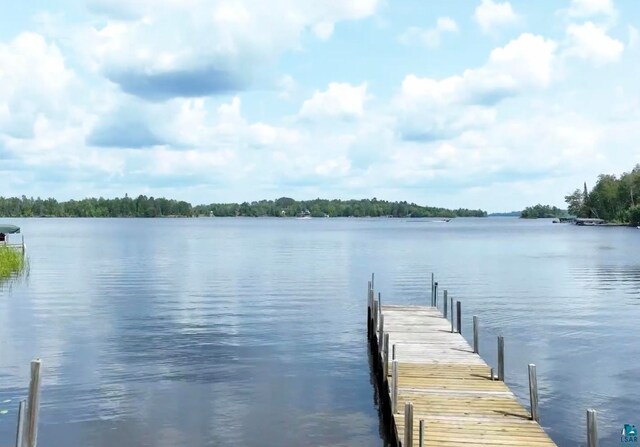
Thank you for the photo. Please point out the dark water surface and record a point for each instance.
(222, 332)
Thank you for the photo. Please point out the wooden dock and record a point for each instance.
(450, 395)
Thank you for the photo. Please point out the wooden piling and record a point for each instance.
(501, 358)
(378, 315)
(394, 387)
(432, 284)
(20, 425)
(421, 440)
(452, 315)
(459, 316)
(374, 319)
(33, 406)
(435, 295)
(533, 392)
(386, 356)
(476, 341)
(445, 302)
(408, 425)
(381, 334)
(592, 429)
(369, 309)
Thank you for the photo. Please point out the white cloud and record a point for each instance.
(526, 62)
(438, 109)
(215, 46)
(591, 42)
(323, 30)
(589, 8)
(340, 100)
(195, 162)
(334, 167)
(511, 151)
(34, 81)
(286, 86)
(430, 37)
(491, 15)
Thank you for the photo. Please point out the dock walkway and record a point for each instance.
(450, 388)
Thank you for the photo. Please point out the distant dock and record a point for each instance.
(435, 390)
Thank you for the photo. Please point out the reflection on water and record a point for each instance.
(207, 332)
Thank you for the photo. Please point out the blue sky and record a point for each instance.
(477, 103)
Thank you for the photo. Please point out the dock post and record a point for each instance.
(432, 284)
(459, 316)
(592, 429)
(374, 319)
(394, 386)
(476, 341)
(378, 317)
(33, 406)
(421, 433)
(435, 296)
(501, 358)
(446, 299)
(20, 428)
(533, 393)
(408, 425)
(368, 308)
(393, 352)
(385, 357)
(381, 335)
(452, 315)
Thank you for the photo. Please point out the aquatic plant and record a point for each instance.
(11, 262)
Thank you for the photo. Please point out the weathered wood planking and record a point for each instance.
(450, 386)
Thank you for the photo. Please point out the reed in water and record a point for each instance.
(11, 262)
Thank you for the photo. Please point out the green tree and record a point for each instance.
(634, 215)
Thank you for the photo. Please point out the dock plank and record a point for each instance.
(450, 386)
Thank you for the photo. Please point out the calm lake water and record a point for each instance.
(221, 332)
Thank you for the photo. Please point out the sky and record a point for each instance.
(467, 103)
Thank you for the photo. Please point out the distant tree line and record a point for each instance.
(144, 206)
(542, 211)
(285, 206)
(614, 199)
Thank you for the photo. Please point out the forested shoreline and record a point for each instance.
(542, 212)
(614, 199)
(143, 206)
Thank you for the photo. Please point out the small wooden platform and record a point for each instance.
(450, 387)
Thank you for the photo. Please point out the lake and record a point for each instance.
(223, 331)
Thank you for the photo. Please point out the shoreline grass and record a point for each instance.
(11, 262)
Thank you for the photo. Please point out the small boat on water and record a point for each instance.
(565, 220)
(5, 231)
(589, 222)
(306, 214)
